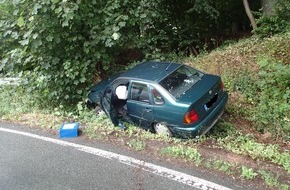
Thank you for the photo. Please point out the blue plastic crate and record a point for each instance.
(69, 130)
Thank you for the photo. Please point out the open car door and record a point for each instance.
(106, 102)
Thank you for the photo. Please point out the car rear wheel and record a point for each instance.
(161, 128)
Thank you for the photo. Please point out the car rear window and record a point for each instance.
(181, 80)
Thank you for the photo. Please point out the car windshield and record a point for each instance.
(181, 80)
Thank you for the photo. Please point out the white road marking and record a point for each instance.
(146, 166)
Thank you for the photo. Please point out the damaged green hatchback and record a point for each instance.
(164, 97)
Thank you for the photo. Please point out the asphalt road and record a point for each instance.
(33, 159)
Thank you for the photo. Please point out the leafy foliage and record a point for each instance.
(269, 91)
(270, 179)
(221, 166)
(279, 22)
(248, 173)
(62, 43)
(255, 72)
(184, 152)
(192, 26)
(137, 144)
(246, 145)
(274, 104)
(14, 101)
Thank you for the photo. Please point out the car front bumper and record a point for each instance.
(205, 125)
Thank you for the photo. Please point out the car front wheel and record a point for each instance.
(98, 110)
(161, 128)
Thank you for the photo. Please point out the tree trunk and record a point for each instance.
(249, 14)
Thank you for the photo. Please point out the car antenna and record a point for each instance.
(168, 66)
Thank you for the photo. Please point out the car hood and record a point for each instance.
(200, 89)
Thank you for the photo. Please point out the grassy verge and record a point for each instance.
(256, 73)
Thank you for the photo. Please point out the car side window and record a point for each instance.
(157, 98)
(139, 92)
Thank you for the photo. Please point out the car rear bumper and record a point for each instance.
(205, 125)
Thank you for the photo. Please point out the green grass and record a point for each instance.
(13, 101)
(221, 165)
(256, 74)
(248, 173)
(272, 180)
(246, 145)
(137, 144)
(187, 153)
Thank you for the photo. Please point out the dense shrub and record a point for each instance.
(268, 93)
(60, 46)
(273, 100)
(279, 22)
(256, 74)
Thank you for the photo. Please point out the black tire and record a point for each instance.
(90, 105)
(98, 110)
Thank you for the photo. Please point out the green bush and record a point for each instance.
(268, 96)
(14, 100)
(60, 46)
(279, 22)
(273, 101)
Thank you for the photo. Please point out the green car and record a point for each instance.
(163, 97)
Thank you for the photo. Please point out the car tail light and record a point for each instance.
(222, 85)
(190, 117)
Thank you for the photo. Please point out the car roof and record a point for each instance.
(151, 71)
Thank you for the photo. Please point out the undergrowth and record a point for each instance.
(188, 153)
(13, 100)
(256, 73)
(247, 145)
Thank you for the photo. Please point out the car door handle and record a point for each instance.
(148, 109)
